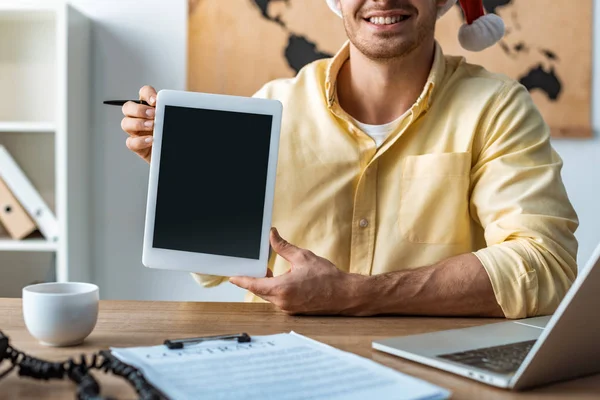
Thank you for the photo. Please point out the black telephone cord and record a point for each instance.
(77, 371)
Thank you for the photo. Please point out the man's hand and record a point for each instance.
(139, 123)
(313, 285)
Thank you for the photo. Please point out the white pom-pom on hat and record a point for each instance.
(480, 31)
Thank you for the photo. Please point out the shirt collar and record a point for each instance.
(436, 75)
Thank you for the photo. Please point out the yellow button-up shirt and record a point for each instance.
(470, 169)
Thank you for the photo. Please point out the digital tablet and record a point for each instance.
(212, 181)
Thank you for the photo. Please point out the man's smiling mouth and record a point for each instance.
(387, 20)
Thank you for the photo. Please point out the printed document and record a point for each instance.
(280, 367)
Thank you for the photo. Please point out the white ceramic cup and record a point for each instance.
(60, 314)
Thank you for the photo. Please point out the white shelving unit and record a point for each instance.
(28, 245)
(15, 127)
(44, 124)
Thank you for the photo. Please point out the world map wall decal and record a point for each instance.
(235, 46)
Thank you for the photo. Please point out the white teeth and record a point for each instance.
(385, 20)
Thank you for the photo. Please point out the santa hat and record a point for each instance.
(480, 31)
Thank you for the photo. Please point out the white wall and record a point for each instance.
(144, 42)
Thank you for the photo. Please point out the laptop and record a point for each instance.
(519, 354)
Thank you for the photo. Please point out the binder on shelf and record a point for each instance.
(28, 196)
(13, 216)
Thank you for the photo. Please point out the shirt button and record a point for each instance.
(363, 223)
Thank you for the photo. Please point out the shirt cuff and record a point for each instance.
(514, 282)
(209, 281)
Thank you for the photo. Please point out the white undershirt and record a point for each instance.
(379, 132)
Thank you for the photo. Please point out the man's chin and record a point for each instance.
(387, 51)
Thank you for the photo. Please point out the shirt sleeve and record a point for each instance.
(519, 199)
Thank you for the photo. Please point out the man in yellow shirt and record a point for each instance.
(409, 182)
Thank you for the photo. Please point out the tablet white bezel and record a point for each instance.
(203, 263)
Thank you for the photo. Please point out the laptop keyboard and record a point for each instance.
(504, 359)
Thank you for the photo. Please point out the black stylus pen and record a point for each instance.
(121, 102)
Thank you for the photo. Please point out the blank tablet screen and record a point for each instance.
(212, 181)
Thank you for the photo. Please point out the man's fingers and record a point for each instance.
(258, 286)
(139, 143)
(285, 249)
(148, 93)
(135, 110)
(137, 126)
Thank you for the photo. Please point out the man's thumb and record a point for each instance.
(282, 247)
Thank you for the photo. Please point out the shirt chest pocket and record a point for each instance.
(434, 203)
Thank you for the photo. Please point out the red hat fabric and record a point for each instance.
(480, 30)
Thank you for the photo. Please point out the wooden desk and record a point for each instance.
(124, 323)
